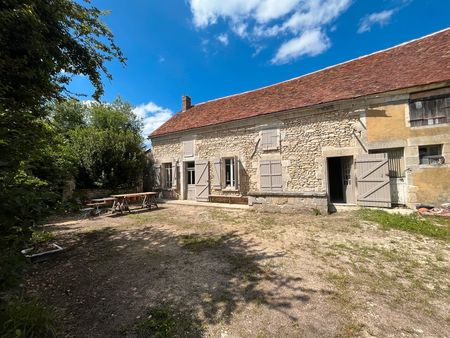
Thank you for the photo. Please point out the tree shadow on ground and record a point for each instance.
(109, 279)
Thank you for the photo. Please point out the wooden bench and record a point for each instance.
(96, 207)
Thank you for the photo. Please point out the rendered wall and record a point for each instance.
(388, 127)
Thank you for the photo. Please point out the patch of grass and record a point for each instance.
(167, 322)
(267, 221)
(147, 217)
(221, 215)
(411, 223)
(200, 243)
(41, 237)
(21, 318)
(244, 264)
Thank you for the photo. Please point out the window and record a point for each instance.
(190, 173)
(270, 176)
(230, 172)
(168, 175)
(430, 110)
(269, 139)
(396, 164)
(226, 173)
(431, 154)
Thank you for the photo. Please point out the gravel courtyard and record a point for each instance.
(199, 271)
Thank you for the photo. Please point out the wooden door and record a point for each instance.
(372, 177)
(347, 179)
(202, 181)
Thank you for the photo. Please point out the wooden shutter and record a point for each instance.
(202, 181)
(174, 174)
(372, 177)
(395, 161)
(265, 179)
(269, 139)
(237, 173)
(188, 148)
(271, 176)
(217, 174)
(157, 176)
(275, 173)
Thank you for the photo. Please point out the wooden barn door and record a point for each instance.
(372, 177)
(202, 181)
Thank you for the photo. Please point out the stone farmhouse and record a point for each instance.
(373, 131)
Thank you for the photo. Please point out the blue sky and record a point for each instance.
(212, 48)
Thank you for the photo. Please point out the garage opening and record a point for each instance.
(340, 179)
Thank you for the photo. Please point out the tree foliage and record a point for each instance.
(104, 141)
(43, 44)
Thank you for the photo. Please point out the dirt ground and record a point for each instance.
(237, 273)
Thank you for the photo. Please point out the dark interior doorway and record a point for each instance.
(336, 187)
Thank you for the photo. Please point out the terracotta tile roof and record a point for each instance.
(419, 62)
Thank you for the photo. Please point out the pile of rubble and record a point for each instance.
(443, 210)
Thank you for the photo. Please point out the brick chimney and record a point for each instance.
(185, 103)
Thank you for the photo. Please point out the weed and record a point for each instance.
(31, 318)
(41, 237)
(316, 212)
(411, 223)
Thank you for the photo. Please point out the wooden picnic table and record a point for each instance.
(121, 200)
(95, 205)
(104, 200)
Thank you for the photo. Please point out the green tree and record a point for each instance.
(104, 140)
(43, 44)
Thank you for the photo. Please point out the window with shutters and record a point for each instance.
(167, 175)
(431, 154)
(270, 175)
(188, 148)
(270, 139)
(230, 172)
(430, 110)
(190, 169)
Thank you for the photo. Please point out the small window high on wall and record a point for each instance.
(429, 110)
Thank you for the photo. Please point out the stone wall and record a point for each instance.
(302, 139)
(290, 202)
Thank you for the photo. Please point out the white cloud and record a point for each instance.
(381, 18)
(309, 43)
(292, 20)
(223, 39)
(152, 115)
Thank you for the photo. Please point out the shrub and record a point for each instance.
(30, 318)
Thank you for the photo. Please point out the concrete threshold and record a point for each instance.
(206, 204)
